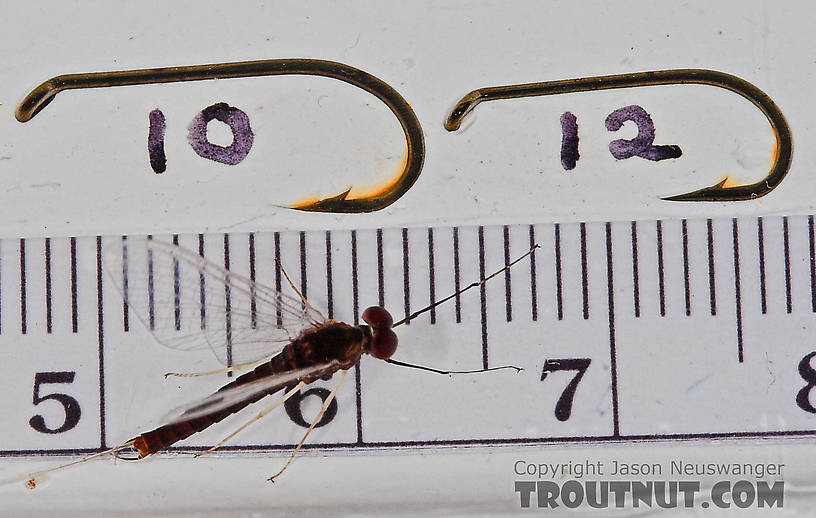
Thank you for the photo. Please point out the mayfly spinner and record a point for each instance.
(296, 344)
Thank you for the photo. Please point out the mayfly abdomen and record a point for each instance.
(164, 436)
(340, 343)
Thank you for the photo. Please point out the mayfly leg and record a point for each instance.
(292, 285)
(311, 426)
(260, 415)
(231, 368)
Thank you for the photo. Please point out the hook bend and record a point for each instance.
(43, 94)
(783, 152)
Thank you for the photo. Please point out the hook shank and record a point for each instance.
(43, 94)
(716, 192)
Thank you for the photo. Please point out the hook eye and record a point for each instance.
(717, 192)
(42, 95)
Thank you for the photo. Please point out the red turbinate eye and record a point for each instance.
(378, 318)
(384, 343)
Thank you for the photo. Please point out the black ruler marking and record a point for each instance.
(763, 301)
(431, 277)
(100, 343)
(712, 287)
(507, 280)
(483, 297)
(74, 309)
(660, 274)
(253, 303)
(458, 300)
(686, 276)
(584, 273)
(329, 281)
(176, 289)
(533, 288)
(23, 323)
(635, 273)
(355, 291)
(228, 303)
(150, 293)
(559, 296)
(812, 265)
(303, 273)
(202, 285)
(737, 293)
(278, 302)
(380, 267)
(613, 359)
(406, 277)
(48, 326)
(786, 252)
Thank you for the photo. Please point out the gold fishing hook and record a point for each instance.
(717, 192)
(38, 98)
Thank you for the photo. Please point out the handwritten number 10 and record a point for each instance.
(641, 146)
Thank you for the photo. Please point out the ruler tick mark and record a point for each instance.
(125, 294)
(559, 301)
(737, 294)
(303, 273)
(329, 282)
(660, 274)
(812, 265)
(431, 276)
(584, 273)
(786, 251)
(686, 281)
(380, 267)
(278, 306)
(253, 304)
(761, 252)
(74, 309)
(201, 285)
(635, 273)
(458, 301)
(23, 323)
(150, 292)
(48, 285)
(176, 289)
(533, 290)
(712, 287)
(507, 279)
(483, 296)
(228, 302)
(406, 278)
(613, 360)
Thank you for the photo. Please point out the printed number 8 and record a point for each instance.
(809, 375)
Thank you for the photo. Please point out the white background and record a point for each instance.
(80, 168)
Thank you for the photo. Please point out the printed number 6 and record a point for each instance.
(70, 405)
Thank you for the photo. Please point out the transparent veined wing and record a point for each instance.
(189, 302)
(229, 397)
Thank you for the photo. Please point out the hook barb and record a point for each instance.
(43, 94)
(718, 192)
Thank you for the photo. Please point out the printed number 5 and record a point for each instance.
(563, 409)
(70, 405)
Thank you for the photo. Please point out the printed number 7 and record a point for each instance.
(563, 408)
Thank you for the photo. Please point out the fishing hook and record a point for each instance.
(717, 192)
(39, 97)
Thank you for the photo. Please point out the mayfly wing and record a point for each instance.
(224, 399)
(188, 302)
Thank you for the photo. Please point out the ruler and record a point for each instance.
(627, 331)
